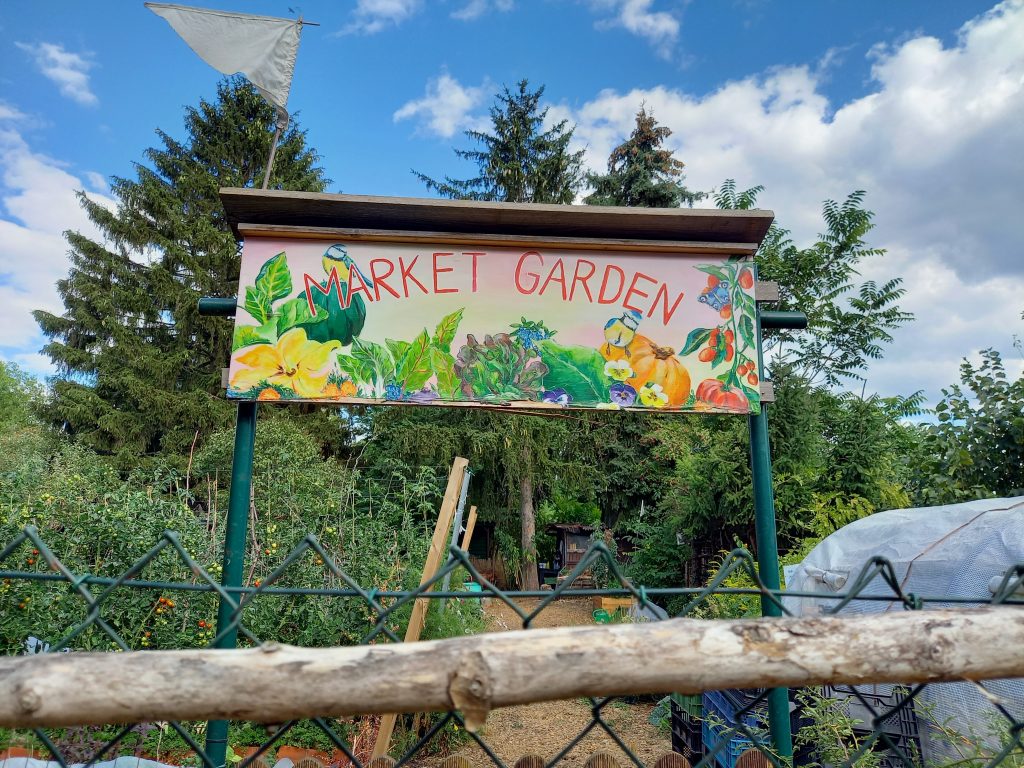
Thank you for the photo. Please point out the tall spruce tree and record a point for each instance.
(519, 162)
(138, 368)
(641, 172)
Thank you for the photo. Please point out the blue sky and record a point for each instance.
(919, 103)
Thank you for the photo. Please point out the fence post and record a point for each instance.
(768, 549)
(235, 532)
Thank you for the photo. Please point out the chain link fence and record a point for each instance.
(866, 726)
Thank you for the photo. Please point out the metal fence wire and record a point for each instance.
(843, 726)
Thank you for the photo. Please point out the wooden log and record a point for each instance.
(530, 761)
(475, 674)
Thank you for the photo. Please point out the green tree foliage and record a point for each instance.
(641, 172)
(977, 448)
(848, 322)
(517, 462)
(139, 369)
(519, 162)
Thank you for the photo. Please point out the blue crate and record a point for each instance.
(728, 755)
(727, 708)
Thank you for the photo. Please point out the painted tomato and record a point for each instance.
(715, 393)
(746, 279)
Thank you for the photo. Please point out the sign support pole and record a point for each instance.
(235, 532)
(768, 549)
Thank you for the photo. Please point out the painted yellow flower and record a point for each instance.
(294, 362)
(348, 388)
(620, 370)
(653, 396)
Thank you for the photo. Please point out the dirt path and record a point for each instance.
(545, 729)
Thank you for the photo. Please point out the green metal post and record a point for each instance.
(768, 554)
(235, 532)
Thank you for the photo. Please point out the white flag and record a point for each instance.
(262, 48)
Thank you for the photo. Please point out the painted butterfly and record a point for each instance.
(716, 297)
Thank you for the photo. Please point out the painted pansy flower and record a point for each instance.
(622, 394)
(294, 363)
(620, 370)
(653, 396)
(559, 396)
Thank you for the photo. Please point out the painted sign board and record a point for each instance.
(357, 321)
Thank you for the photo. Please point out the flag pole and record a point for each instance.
(273, 152)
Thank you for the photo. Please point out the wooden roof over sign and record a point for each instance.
(263, 211)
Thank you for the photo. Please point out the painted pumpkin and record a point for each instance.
(652, 364)
(715, 393)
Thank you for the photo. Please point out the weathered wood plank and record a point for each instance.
(496, 240)
(307, 209)
(277, 683)
(766, 291)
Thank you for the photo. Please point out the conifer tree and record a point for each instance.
(641, 172)
(138, 368)
(519, 162)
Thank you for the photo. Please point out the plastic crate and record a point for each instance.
(723, 704)
(691, 705)
(902, 722)
(727, 756)
(687, 739)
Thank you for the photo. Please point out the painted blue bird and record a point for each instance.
(620, 331)
(336, 257)
(341, 324)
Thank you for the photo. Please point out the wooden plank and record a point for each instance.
(497, 240)
(474, 674)
(467, 537)
(766, 291)
(307, 209)
(530, 761)
(672, 760)
(435, 557)
(767, 392)
(601, 759)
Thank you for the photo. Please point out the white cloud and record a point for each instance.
(446, 108)
(938, 144)
(474, 9)
(659, 28)
(9, 113)
(38, 201)
(97, 181)
(68, 70)
(371, 16)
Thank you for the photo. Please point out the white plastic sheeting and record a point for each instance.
(959, 550)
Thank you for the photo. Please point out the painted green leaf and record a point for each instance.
(397, 348)
(414, 367)
(577, 370)
(753, 396)
(247, 335)
(274, 279)
(443, 366)
(296, 312)
(698, 338)
(747, 331)
(355, 370)
(376, 358)
(445, 332)
(257, 304)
